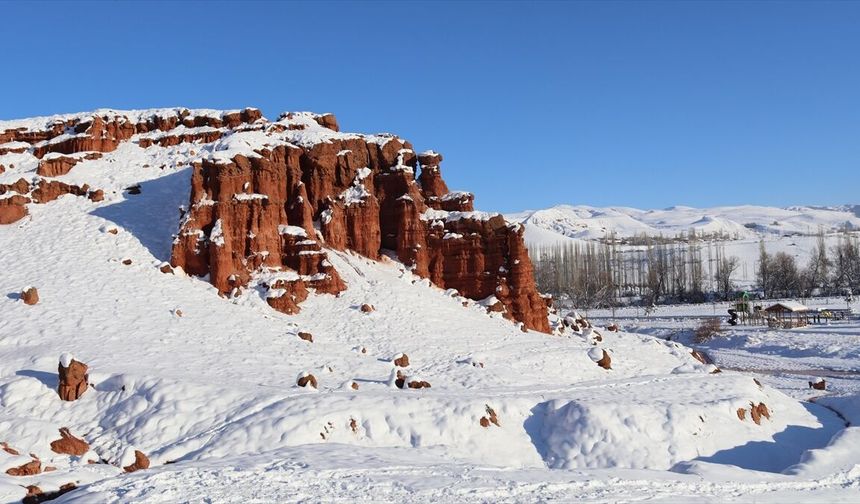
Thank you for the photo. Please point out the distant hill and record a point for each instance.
(746, 222)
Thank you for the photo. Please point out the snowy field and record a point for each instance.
(206, 386)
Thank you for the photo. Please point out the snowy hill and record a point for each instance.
(205, 384)
(736, 222)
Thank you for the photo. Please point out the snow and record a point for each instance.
(431, 214)
(292, 230)
(206, 391)
(456, 196)
(250, 196)
(66, 359)
(748, 222)
(134, 116)
(792, 306)
(216, 236)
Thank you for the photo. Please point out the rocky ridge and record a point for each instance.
(269, 197)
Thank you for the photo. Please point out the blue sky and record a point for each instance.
(646, 104)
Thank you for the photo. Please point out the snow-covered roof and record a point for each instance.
(791, 306)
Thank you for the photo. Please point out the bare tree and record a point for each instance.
(726, 266)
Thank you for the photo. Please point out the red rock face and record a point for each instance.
(103, 133)
(247, 214)
(56, 166)
(13, 209)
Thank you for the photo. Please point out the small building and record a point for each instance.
(788, 314)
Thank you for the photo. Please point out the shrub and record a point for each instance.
(709, 328)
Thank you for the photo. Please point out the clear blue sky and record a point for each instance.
(644, 104)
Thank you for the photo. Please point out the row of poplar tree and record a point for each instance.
(604, 274)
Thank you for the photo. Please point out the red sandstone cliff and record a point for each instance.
(257, 209)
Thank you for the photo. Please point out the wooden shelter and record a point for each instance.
(788, 314)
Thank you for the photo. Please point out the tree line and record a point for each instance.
(605, 274)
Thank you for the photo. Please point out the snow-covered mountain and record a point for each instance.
(735, 222)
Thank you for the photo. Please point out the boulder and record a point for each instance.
(74, 379)
(605, 362)
(8, 449)
(35, 495)
(700, 356)
(306, 380)
(96, 196)
(819, 384)
(491, 418)
(306, 336)
(759, 411)
(141, 461)
(401, 360)
(28, 469)
(69, 444)
(30, 295)
(367, 308)
(418, 384)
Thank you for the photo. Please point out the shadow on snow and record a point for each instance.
(153, 215)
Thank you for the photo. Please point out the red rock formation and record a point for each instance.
(491, 418)
(61, 165)
(74, 379)
(819, 384)
(306, 380)
(758, 411)
(401, 360)
(605, 362)
(35, 495)
(21, 186)
(49, 190)
(96, 196)
(8, 449)
(141, 461)
(30, 296)
(69, 444)
(28, 469)
(13, 208)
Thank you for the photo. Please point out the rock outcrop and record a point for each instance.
(13, 208)
(264, 202)
(28, 469)
(74, 379)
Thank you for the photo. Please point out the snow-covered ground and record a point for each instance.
(206, 386)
